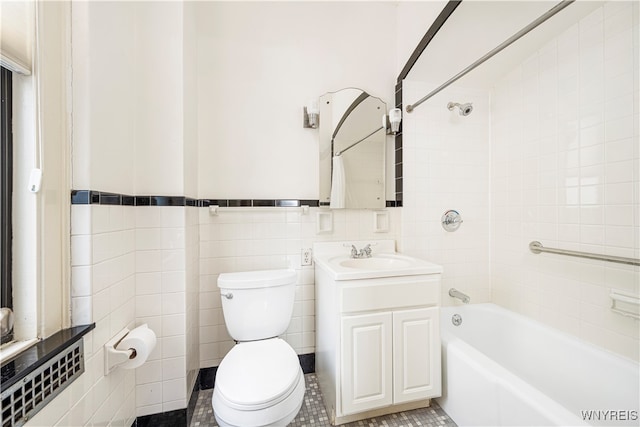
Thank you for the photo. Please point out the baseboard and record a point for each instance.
(164, 419)
(308, 363)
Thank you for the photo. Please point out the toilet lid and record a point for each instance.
(258, 372)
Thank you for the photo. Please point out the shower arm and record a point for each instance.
(339, 153)
(548, 14)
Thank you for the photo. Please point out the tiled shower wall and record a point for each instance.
(565, 164)
(553, 157)
(255, 239)
(446, 165)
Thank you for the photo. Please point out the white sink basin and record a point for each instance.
(378, 262)
(343, 267)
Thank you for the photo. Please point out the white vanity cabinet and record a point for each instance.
(389, 358)
(377, 343)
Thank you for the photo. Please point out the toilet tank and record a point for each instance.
(257, 304)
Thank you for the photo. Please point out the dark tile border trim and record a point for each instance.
(90, 197)
(248, 203)
(308, 362)
(426, 39)
(23, 364)
(207, 378)
(164, 419)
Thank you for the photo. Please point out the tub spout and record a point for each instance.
(454, 293)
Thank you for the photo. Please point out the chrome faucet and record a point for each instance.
(362, 253)
(366, 251)
(354, 251)
(454, 293)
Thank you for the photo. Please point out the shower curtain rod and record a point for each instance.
(340, 153)
(557, 8)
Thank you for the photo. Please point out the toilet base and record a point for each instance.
(278, 415)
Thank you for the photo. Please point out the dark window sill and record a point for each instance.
(23, 364)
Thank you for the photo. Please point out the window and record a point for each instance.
(6, 185)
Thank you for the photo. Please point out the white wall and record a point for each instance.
(192, 232)
(158, 98)
(413, 19)
(128, 97)
(565, 165)
(190, 100)
(135, 264)
(258, 65)
(104, 87)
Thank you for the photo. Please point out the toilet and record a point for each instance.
(260, 381)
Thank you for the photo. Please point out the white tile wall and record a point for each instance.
(554, 157)
(447, 166)
(130, 266)
(255, 240)
(565, 167)
(166, 281)
(102, 291)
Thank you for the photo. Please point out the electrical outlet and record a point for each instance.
(306, 258)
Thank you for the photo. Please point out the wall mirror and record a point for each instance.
(352, 150)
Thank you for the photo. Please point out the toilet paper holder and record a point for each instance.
(113, 357)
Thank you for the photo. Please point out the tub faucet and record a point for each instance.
(454, 293)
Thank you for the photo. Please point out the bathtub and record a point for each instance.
(504, 369)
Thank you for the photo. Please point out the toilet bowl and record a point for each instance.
(259, 382)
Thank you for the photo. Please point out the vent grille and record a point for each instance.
(26, 398)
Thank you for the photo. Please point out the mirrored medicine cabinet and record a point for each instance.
(352, 150)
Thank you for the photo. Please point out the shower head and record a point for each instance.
(464, 109)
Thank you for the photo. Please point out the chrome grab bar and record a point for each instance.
(536, 247)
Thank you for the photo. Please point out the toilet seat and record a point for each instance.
(257, 374)
(258, 383)
(277, 415)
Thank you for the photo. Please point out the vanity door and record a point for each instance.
(366, 362)
(416, 354)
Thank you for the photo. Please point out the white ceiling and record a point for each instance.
(478, 26)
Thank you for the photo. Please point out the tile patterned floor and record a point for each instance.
(313, 414)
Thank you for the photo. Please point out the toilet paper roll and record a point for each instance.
(142, 340)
